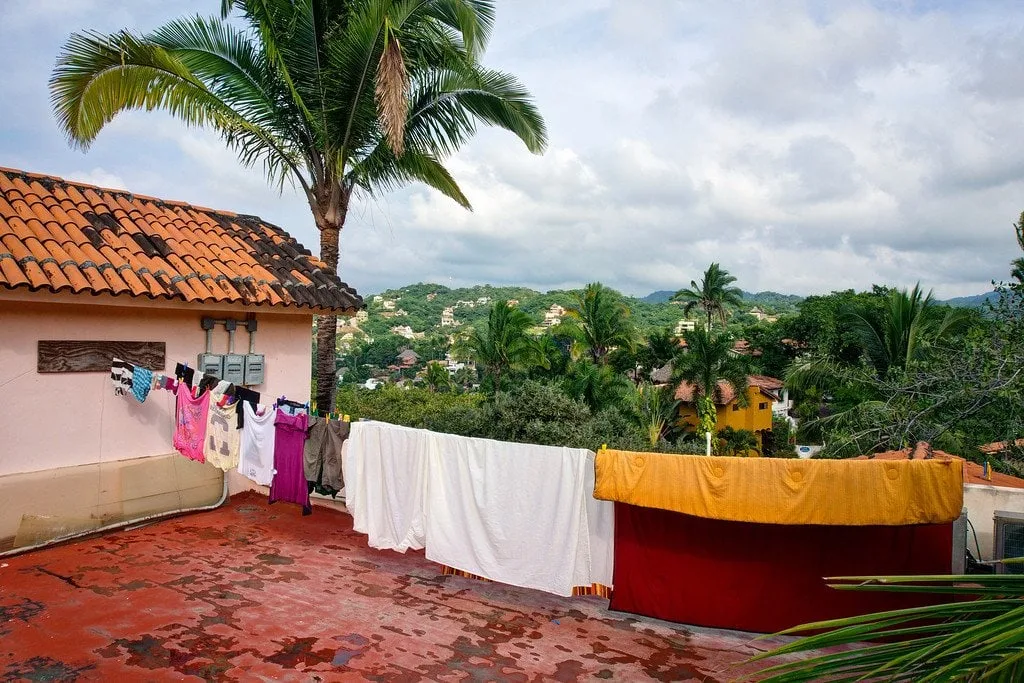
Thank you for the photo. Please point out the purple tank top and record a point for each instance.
(289, 482)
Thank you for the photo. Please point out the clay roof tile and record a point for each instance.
(59, 234)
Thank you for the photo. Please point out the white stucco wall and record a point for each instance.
(52, 421)
(982, 501)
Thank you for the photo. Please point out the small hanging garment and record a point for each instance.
(256, 457)
(337, 432)
(142, 382)
(291, 407)
(190, 431)
(183, 372)
(223, 439)
(116, 368)
(243, 395)
(313, 451)
(208, 382)
(289, 479)
(121, 376)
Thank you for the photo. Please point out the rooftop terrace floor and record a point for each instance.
(257, 592)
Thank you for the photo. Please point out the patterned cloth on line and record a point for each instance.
(142, 382)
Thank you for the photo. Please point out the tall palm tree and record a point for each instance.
(709, 360)
(901, 333)
(604, 321)
(340, 98)
(712, 295)
(504, 344)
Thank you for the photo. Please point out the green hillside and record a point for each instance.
(421, 305)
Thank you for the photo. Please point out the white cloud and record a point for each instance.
(806, 145)
(99, 177)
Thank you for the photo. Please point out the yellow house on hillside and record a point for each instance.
(756, 416)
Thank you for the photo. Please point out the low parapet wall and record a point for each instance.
(36, 507)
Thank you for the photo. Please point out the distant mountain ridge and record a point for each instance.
(766, 298)
(769, 298)
(975, 301)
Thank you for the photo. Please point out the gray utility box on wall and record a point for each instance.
(211, 364)
(253, 369)
(234, 368)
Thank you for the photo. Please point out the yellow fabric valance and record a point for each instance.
(785, 491)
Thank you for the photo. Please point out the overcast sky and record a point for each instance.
(806, 146)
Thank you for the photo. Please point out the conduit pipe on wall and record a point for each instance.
(119, 525)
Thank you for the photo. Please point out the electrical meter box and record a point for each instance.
(234, 368)
(253, 369)
(211, 364)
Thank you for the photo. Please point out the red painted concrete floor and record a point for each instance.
(258, 592)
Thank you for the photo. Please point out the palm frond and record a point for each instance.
(471, 20)
(446, 105)
(382, 171)
(98, 77)
(963, 640)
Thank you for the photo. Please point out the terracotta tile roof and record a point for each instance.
(726, 393)
(58, 235)
(765, 382)
(973, 472)
(740, 346)
(998, 446)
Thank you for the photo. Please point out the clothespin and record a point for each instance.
(347, 418)
(314, 407)
(604, 447)
(988, 471)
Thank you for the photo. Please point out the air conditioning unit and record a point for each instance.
(1008, 540)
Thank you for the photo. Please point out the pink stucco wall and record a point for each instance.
(62, 420)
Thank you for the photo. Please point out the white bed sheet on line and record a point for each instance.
(385, 469)
(519, 514)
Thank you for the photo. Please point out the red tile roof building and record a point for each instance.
(63, 236)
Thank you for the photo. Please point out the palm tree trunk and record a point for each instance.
(329, 203)
(327, 327)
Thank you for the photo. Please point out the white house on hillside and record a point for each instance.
(553, 315)
(685, 326)
(448, 318)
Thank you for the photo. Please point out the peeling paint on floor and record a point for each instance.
(250, 592)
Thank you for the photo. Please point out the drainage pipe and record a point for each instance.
(119, 525)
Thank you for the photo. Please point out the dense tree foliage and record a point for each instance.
(868, 370)
(602, 322)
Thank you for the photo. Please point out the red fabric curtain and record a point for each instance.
(762, 577)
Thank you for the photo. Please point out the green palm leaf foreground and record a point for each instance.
(977, 636)
(338, 97)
